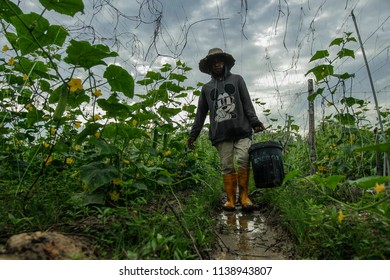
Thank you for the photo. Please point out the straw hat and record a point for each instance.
(204, 64)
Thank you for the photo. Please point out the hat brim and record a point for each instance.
(204, 64)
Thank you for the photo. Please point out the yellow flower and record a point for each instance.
(75, 84)
(11, 61)
(97, 135)
(114, 195)
(96, 117)
(321, 168)
(76, 147)
(29, 107)
(134, 122)
(168, 152)
(379, 188)
(46, 145)
(340, 217)
(69, 161)
(5, 48)
(49, 160)
(97, 93)
(53, 130)
(77, 125)
(117, 181)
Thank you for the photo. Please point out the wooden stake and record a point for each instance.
(312, 148)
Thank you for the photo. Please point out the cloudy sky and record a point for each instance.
(271, 40)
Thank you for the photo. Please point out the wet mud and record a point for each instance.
(248, 236)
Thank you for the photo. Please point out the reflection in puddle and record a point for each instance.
(245, 236)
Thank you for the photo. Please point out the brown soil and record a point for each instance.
(46, 246)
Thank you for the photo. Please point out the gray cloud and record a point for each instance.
(271, 40)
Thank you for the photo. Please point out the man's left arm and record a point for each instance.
(248, 107)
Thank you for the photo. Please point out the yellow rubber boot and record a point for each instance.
(243, 185)
(230, 184)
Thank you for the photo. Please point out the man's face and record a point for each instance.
(217, 67)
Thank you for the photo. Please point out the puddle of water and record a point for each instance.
(245, 236)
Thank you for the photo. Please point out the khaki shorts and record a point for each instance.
(230, 150)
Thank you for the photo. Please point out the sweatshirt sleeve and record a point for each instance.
(249, 110)
(200, 117)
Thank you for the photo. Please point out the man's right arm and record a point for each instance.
(200, 117)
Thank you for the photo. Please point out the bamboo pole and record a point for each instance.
(385, 161)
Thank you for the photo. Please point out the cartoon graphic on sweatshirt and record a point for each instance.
(226, 105)
(225, 108)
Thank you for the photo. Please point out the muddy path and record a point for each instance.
(250, 236)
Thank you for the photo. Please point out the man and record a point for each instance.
(232, 122)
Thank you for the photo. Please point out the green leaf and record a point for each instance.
(97, 174)
(291, 175)
(171, 87)
(34, 69)
(113, 108)
(66, 7)
(156, 76)
(350, 101)
(329, 182)
(8, 9)
(120, 80)
(345, 119)
(103, 147)
(122, 130)
(168, 113)
(83, 54)
(369, 182)
(34, 116)
(145, 82)
(319, 54)
(180, 78)
(346, 52)
(344, 76)
(76, 99)
(321, 71)
(333, 181)
(383, 148)
(337, 41)
(90, 129)
(166, 67)
(313, 96)
(34, 32)
(93, 198)
(140, 186)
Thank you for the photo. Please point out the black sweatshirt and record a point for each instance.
(232, 115)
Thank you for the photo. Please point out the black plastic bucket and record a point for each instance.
(267, 164)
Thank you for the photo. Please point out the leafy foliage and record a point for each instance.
(81, 149)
